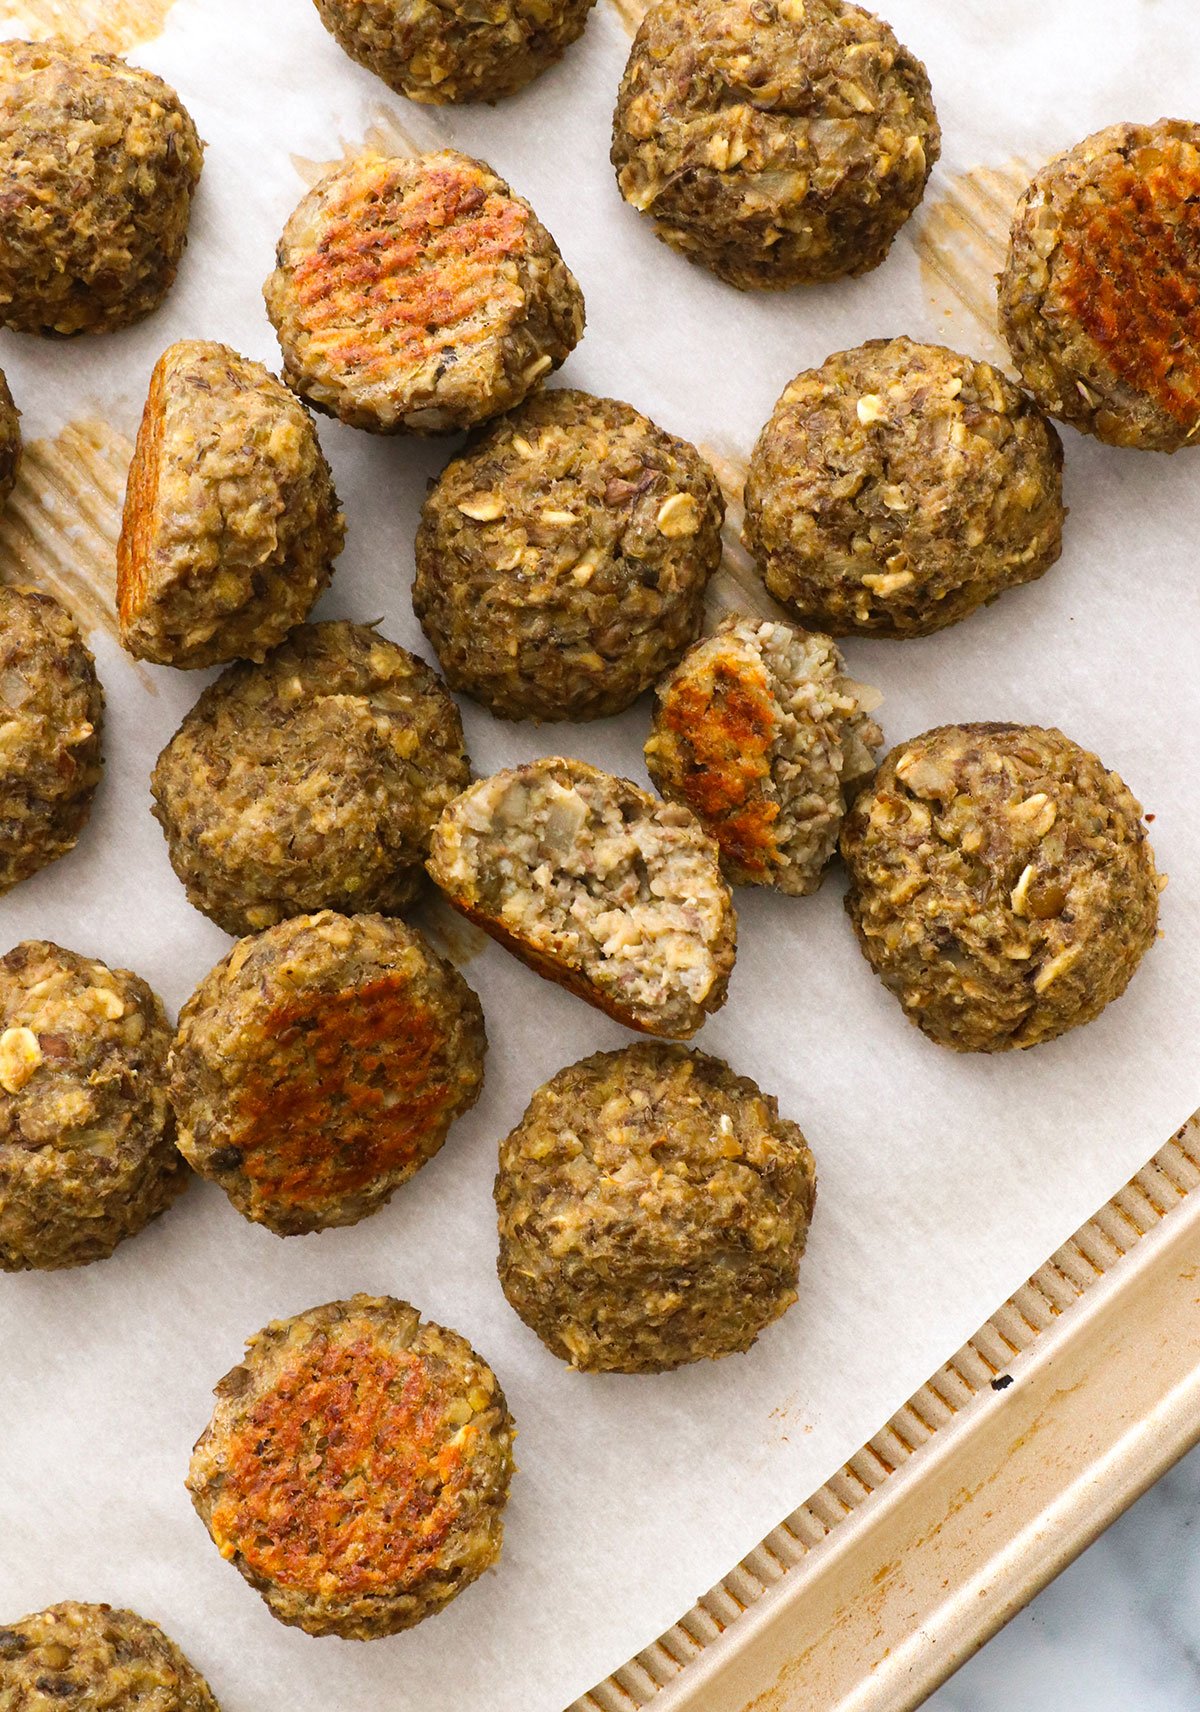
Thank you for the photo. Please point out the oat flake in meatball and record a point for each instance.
(760, 733)
(779, 142)
(10, 440)
(311, 781)
(356, 1467)
(231, 520)
(320, 1065)
(899, 487)
(98, 164)
(653, 1210)
(94, 1659)
(87, 1148)
(439, 51)
(562, 560)
(1001, 884)
(51, 709)
(419, 295)
(597, 885)
(1100, 294)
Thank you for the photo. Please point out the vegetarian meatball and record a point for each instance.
(356, 1467)
(311, 781)
(455, 50)
(597, 885)
(98, 164)
(10, 440)
(779, 142)
(653, 1210)
(1100, 294)
(87, 1139)
(51, 709)
(562, 560)
(419, 295)
(319, 1066)
(94, 1659)
(899, 487)
(762, 735)
(231, 520)
(1001, 884)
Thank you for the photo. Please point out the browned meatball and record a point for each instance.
(1100, 294)
(356, 1467)
(419, 295)
(10, 440)
(51, 709)
(562, 560)
(311, 781)
(231, 521)
(778, 142)
(351, 1029)
(87, 1138)
(1001, 884)
(653, 1210)
(98, 164)
(455, 50)
(899, 487)
(94, 1659)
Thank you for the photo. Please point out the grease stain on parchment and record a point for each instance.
(630, 12)
(109, 26)
(737, 586)
(60, 527)
(962, 240)
(385, 134)
(453, 937)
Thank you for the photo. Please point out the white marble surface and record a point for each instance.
(1117, 1632)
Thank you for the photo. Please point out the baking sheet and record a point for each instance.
(944, 1182)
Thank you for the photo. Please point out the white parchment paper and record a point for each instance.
(944, 1181)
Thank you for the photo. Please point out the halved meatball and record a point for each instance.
(231, 521)
(419, 295)
(356, 1467)
(320, 1065)
(760, 733)
(597, 885)
(1100, 294)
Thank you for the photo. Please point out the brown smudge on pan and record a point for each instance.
(384, 135)
(60, 528)
(451, 936)
(630, 12)
(108, 26)
(961, 242)
(737, 586)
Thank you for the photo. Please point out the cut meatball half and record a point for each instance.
(596, 885)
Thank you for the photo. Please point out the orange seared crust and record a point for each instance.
(141, 497)
(342, 1474)
(726, 727)
(355, 1086)
(405, 263)
(1131, 273)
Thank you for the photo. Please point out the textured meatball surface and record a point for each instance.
(311, 781)
(94, 1659)
(1100, 294)
(596, 885)
(901, 486)
(1001, 884)
(562, 559)
(98, 164)
(10, 439)
(439, 51)
(653, 1210)
(87, 1138)
(760, 732)
(778, 142)
(231, 521)
(320, 1065)
(356, 1467)
(51, 710)
(419, 295)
